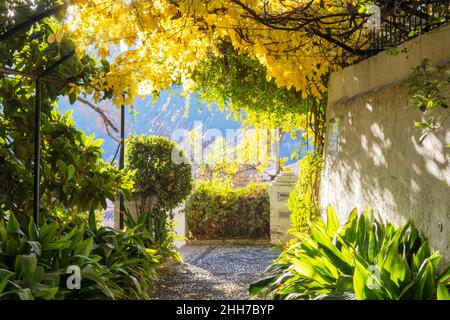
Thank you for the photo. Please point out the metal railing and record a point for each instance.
(401, 23)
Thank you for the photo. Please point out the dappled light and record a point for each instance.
(224, 150)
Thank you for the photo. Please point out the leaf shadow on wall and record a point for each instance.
(381, 163)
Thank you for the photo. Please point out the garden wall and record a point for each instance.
(374, 156)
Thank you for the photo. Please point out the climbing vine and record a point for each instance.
(235, 79)
(303, 199)
(240, 82)
(427, 89)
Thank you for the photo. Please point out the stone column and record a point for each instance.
(280, 221)
(180, 225)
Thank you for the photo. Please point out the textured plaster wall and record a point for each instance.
(374, 157)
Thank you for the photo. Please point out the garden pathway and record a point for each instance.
(214, 272)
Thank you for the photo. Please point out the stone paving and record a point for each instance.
(214, 272)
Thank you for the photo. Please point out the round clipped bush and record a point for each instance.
(159, 181)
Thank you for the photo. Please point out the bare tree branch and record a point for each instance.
(109, 124)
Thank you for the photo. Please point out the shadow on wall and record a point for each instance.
(380, 163)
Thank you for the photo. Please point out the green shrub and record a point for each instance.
(363, 259)
(303, 199)
(158, 180)
(160, 185)
(74, 176)
(217, 211)
(114, 264)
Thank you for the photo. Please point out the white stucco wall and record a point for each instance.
(379, 160)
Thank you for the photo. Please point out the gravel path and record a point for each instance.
(214, 272)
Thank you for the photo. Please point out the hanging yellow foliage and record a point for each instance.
(161, 42)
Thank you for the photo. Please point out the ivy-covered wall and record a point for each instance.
(375, 155)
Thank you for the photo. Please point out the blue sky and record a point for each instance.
(160, 117)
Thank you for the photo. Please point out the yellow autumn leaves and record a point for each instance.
(165, 40)
(156, 43)
(57, 36)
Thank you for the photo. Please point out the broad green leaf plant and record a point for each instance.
(114, 264)
(364, 259)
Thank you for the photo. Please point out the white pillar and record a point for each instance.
(180, 226)
(280, 221)
(179, 219)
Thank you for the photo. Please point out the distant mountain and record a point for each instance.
(162, 117)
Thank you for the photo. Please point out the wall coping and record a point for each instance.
(285, 178)
(386, 69)
(227, 242)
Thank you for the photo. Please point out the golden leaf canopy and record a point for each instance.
(152, 44)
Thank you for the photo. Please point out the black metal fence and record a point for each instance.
(403, 20)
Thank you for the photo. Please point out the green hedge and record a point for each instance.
(218, 211)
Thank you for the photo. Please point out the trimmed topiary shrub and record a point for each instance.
(160, 184)
(158, 180)
(218, 211)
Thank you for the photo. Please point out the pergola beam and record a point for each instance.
(29, 22)
(32, 76)
(37, 134)
(63, 59)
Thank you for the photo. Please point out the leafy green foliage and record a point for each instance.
(74, 177)
(73, 172)
(159, 236)
(235, 79)
(159, 181)
(217, 210)
(114, 264)
(303, 199)
(363, 259)
(427, 84)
